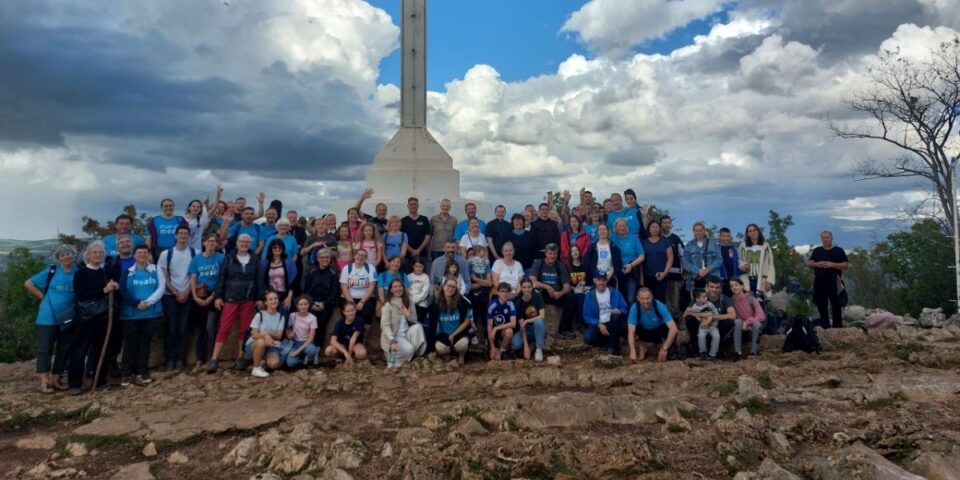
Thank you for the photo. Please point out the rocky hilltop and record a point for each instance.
(882, 405)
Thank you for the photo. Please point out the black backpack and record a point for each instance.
(801, 335)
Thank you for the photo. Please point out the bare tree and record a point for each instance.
(915, 107)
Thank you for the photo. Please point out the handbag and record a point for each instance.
(842, 297)
(92, 309)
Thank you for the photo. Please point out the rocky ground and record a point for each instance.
(877, 406)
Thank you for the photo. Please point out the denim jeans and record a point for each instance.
(292, 361)
(535, 330)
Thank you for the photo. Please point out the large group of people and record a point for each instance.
(437, 287)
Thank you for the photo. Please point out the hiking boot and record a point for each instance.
(213, 366)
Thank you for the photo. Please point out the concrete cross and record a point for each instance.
(413, 96)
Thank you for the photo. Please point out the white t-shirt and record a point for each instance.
(178, 271)
(604, 259)
(467, 241)
(358, 279)
(244, 260)
(751, 257)
(511, 274)
(603, 302)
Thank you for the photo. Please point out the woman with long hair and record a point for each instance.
(401, 337)
(756, 256)
(658, 263)
(279, 273)
(574, 235)
(453, 317)
(197, 221)
(369, 240)
(344, 247)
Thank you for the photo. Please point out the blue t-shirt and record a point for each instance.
(500, 313)
(464, 226)
(206, 269)
(386, 277)
(253, 230)
(59, 296)
(141, 284)
(110, 243)
(448, 322)
(166, 229)
(289, 242)
(591, 230)
(628, 214)
(630, 247)
(267, 231)
(648, 319)
(656, 255)
(393, 244)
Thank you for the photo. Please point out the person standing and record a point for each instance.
(417, 228)
(544, 230)
(731, 261)
(141, 310)
(53, 286)
(701, 258)
(162, 229)
(175, 263)
(498, 233)
(442, 226)
(470, 210)
(204, 270)
(659, 260)
(756, 257)
(674, 279)
(123, 225)
(828, 262)
(239, 286)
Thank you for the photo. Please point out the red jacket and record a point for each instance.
(583, 242)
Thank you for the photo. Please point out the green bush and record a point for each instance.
(18, 309)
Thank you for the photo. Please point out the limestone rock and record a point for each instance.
(935, 467)
(854, 314)
(345, 452)
(242, 452)
(779, 443)
(177, 458)
(553, 360)
(336, 474)
(387, 451)
(748, 389)
(468, 428)
(136, 471)
(265, 476)
(289, 459)
(409, 437)
(932, 318)
(37, 442)
(150, 450)
(607, 361)
(770, 470)
(859, 461)
(76, 449)
(881, 320)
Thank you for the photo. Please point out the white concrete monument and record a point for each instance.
(413, 164)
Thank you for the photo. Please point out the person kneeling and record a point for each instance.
(603, 311)
(450, 318)
(501, 321)
(650, 322)
(530, 309)
(347, 339)
(266, 334)
(299, 346)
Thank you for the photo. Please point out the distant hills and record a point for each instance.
(41, 248)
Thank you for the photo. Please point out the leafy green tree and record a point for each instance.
(921, 259)
(18, 309)
(789, 264)
(869, 282)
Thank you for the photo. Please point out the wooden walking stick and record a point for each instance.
(106, 341)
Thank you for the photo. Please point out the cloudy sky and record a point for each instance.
(715, 110)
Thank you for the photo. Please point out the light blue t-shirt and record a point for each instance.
(449, 322)
(628, 214)
(253, 230)
(630, 247)
(59, 296)
(206, 269)
(141, 284)
(290, 246)
(648, 319)
(267, 231)
(386, 277)
(393, 244)
(591, 230)
(110, 243)
(464, 226)
(166, 229)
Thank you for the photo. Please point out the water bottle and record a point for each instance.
(392, 359)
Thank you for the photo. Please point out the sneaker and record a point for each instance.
(213, 366)
(179, 365)
(73, 392)
(126, 382)
(737, 357)
(713, 358)
(704, 356)
(566, 335)
(538, 355)
(614, 351)
(259, 372)
(474, 340)
(240, 364)
(171, 365)
(143, 380)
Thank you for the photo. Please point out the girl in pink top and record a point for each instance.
(750, 315)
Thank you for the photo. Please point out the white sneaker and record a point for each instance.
(538, 355)
(474, 340)
(259, 372)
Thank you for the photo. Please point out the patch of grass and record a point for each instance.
(892, 401)
(558, 466)
(903, 352)
(745, 458)
(765, 381)
(104, 442)
(155, 469)
(756, 407)
(726, 389)
(50, 417)
(674, 428)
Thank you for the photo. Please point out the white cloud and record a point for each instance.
(614, 26)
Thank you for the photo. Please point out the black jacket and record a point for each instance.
(545, 232)
(323, 286)
(237, 283)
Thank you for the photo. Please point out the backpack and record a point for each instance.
(801, 335)
(284, 318)
(193, 253)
